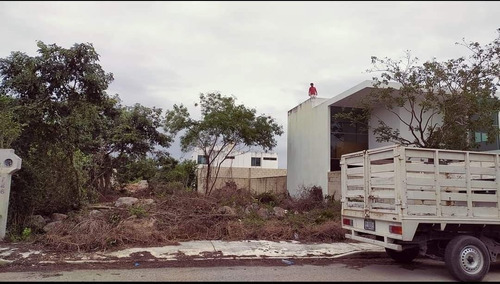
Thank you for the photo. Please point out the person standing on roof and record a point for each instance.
(312, 91)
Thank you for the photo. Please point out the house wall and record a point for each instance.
(243, 160)
(257, 180)
(308, 146)
(388, 118)
(393, 121)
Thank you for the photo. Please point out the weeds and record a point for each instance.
(138, 211)
(180, 215)
(24, 236)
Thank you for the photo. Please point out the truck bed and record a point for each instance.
(405, 186)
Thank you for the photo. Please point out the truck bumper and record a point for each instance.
(353, 235)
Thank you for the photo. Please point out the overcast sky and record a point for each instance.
(265, 53)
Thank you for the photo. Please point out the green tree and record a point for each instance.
(185, 173)
(58, 96)
(223, 129)
(72, 133)
(126, 143)
(172, 172)
(442, 104)
(10, 128)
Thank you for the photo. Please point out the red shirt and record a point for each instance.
(312, 91)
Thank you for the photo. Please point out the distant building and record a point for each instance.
(256, 171)
(242, 160)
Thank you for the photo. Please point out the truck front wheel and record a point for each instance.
(467, 258)
(405, 256)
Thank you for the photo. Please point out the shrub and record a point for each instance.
(267, 198)
(138, 211)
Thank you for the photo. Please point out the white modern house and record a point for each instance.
(316, 141)
(242, 160)
(255, 171)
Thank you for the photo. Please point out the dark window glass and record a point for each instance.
(202, 159)
(269, 159)
(345, 137)
(255, 162)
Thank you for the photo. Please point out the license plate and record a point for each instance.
(369, 225)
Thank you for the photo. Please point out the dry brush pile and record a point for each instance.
(230, 214)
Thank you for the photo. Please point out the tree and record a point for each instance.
(10, 129)
(441, 103)
(224, 128)
(125, 143)
(70, 132)
(59, 97)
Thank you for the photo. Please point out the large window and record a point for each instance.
(482, 139)
(255, 162)
(345, 137)
(202, 159)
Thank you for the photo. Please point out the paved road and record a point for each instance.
(222, 261)
(366, 270)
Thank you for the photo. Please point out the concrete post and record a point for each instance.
(9, 163)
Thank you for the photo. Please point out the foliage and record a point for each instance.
(25, 235)
(125, 144)
(184, 172)
(267, 198)
(440, 103)
(52, 93)
(137, 210)
(10, 128)
(171, 175)
(224, 128)
(131, 170)
(68, 131)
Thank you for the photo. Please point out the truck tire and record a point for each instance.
(405, 256)
(467, 258)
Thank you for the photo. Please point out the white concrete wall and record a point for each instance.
(334, 189)
(308, 146)
(388, 118)
(257, 180)
(393, 121)
(244, 160)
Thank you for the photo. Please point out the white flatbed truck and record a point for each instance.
(441, 204)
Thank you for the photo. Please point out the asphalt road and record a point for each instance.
(366, 269)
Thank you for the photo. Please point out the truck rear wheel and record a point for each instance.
(405, 256)
(467, 258)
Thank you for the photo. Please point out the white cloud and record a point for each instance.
(264, 52)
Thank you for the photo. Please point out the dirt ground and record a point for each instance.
(167, 218)
(158, 219)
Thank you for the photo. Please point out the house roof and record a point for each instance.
(351, 97)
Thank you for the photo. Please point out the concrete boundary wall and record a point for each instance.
(334, 185)
(258, 180)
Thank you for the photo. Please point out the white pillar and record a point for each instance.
(9, 163)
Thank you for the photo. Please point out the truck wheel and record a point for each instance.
(467, 258)
(405, 256)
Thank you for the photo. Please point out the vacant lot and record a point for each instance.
(161, 216)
